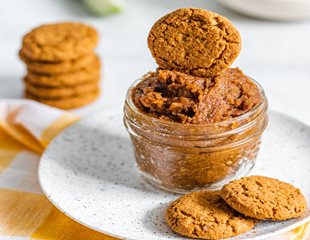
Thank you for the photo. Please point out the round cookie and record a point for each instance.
(62, 92)
(60, 67)
(194, 41)
(67, 103)
(84, 75)
(205, 215)
(59, 42)
(264, 198)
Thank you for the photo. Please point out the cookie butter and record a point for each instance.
(202, 136)
(195, 123)
(179, 97)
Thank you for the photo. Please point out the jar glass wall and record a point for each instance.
(185, 157)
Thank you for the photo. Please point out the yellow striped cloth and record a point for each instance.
(26, 128)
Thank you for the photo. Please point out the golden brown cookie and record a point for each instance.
(67, 103)
(61, 92)
(84, 75)
(264, 198)
(205, 215)
(194, 41)
(60, 67)
(59, 42)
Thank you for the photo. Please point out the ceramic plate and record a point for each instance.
(89, 173)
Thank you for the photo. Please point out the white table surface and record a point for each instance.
(275, 54)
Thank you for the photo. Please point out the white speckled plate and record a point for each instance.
(89, 173)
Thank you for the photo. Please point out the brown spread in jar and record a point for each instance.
(181, 158)
(179, 97)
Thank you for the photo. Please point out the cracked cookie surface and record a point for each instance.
(205, 215)
(194, 41)
(264, 198)
(59, 42)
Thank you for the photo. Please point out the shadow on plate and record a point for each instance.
(154, 221)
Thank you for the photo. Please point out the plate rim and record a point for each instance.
(114, 111)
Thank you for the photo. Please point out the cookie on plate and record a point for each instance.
(194, 41)
(59, 42)
(264, 198)
(205, 215)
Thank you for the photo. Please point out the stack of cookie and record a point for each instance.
(63, 70)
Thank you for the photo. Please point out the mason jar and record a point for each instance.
(181, 157)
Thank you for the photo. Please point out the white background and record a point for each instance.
(276, 54)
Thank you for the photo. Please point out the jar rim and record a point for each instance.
(263, 104)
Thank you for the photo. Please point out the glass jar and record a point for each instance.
(185, 157)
